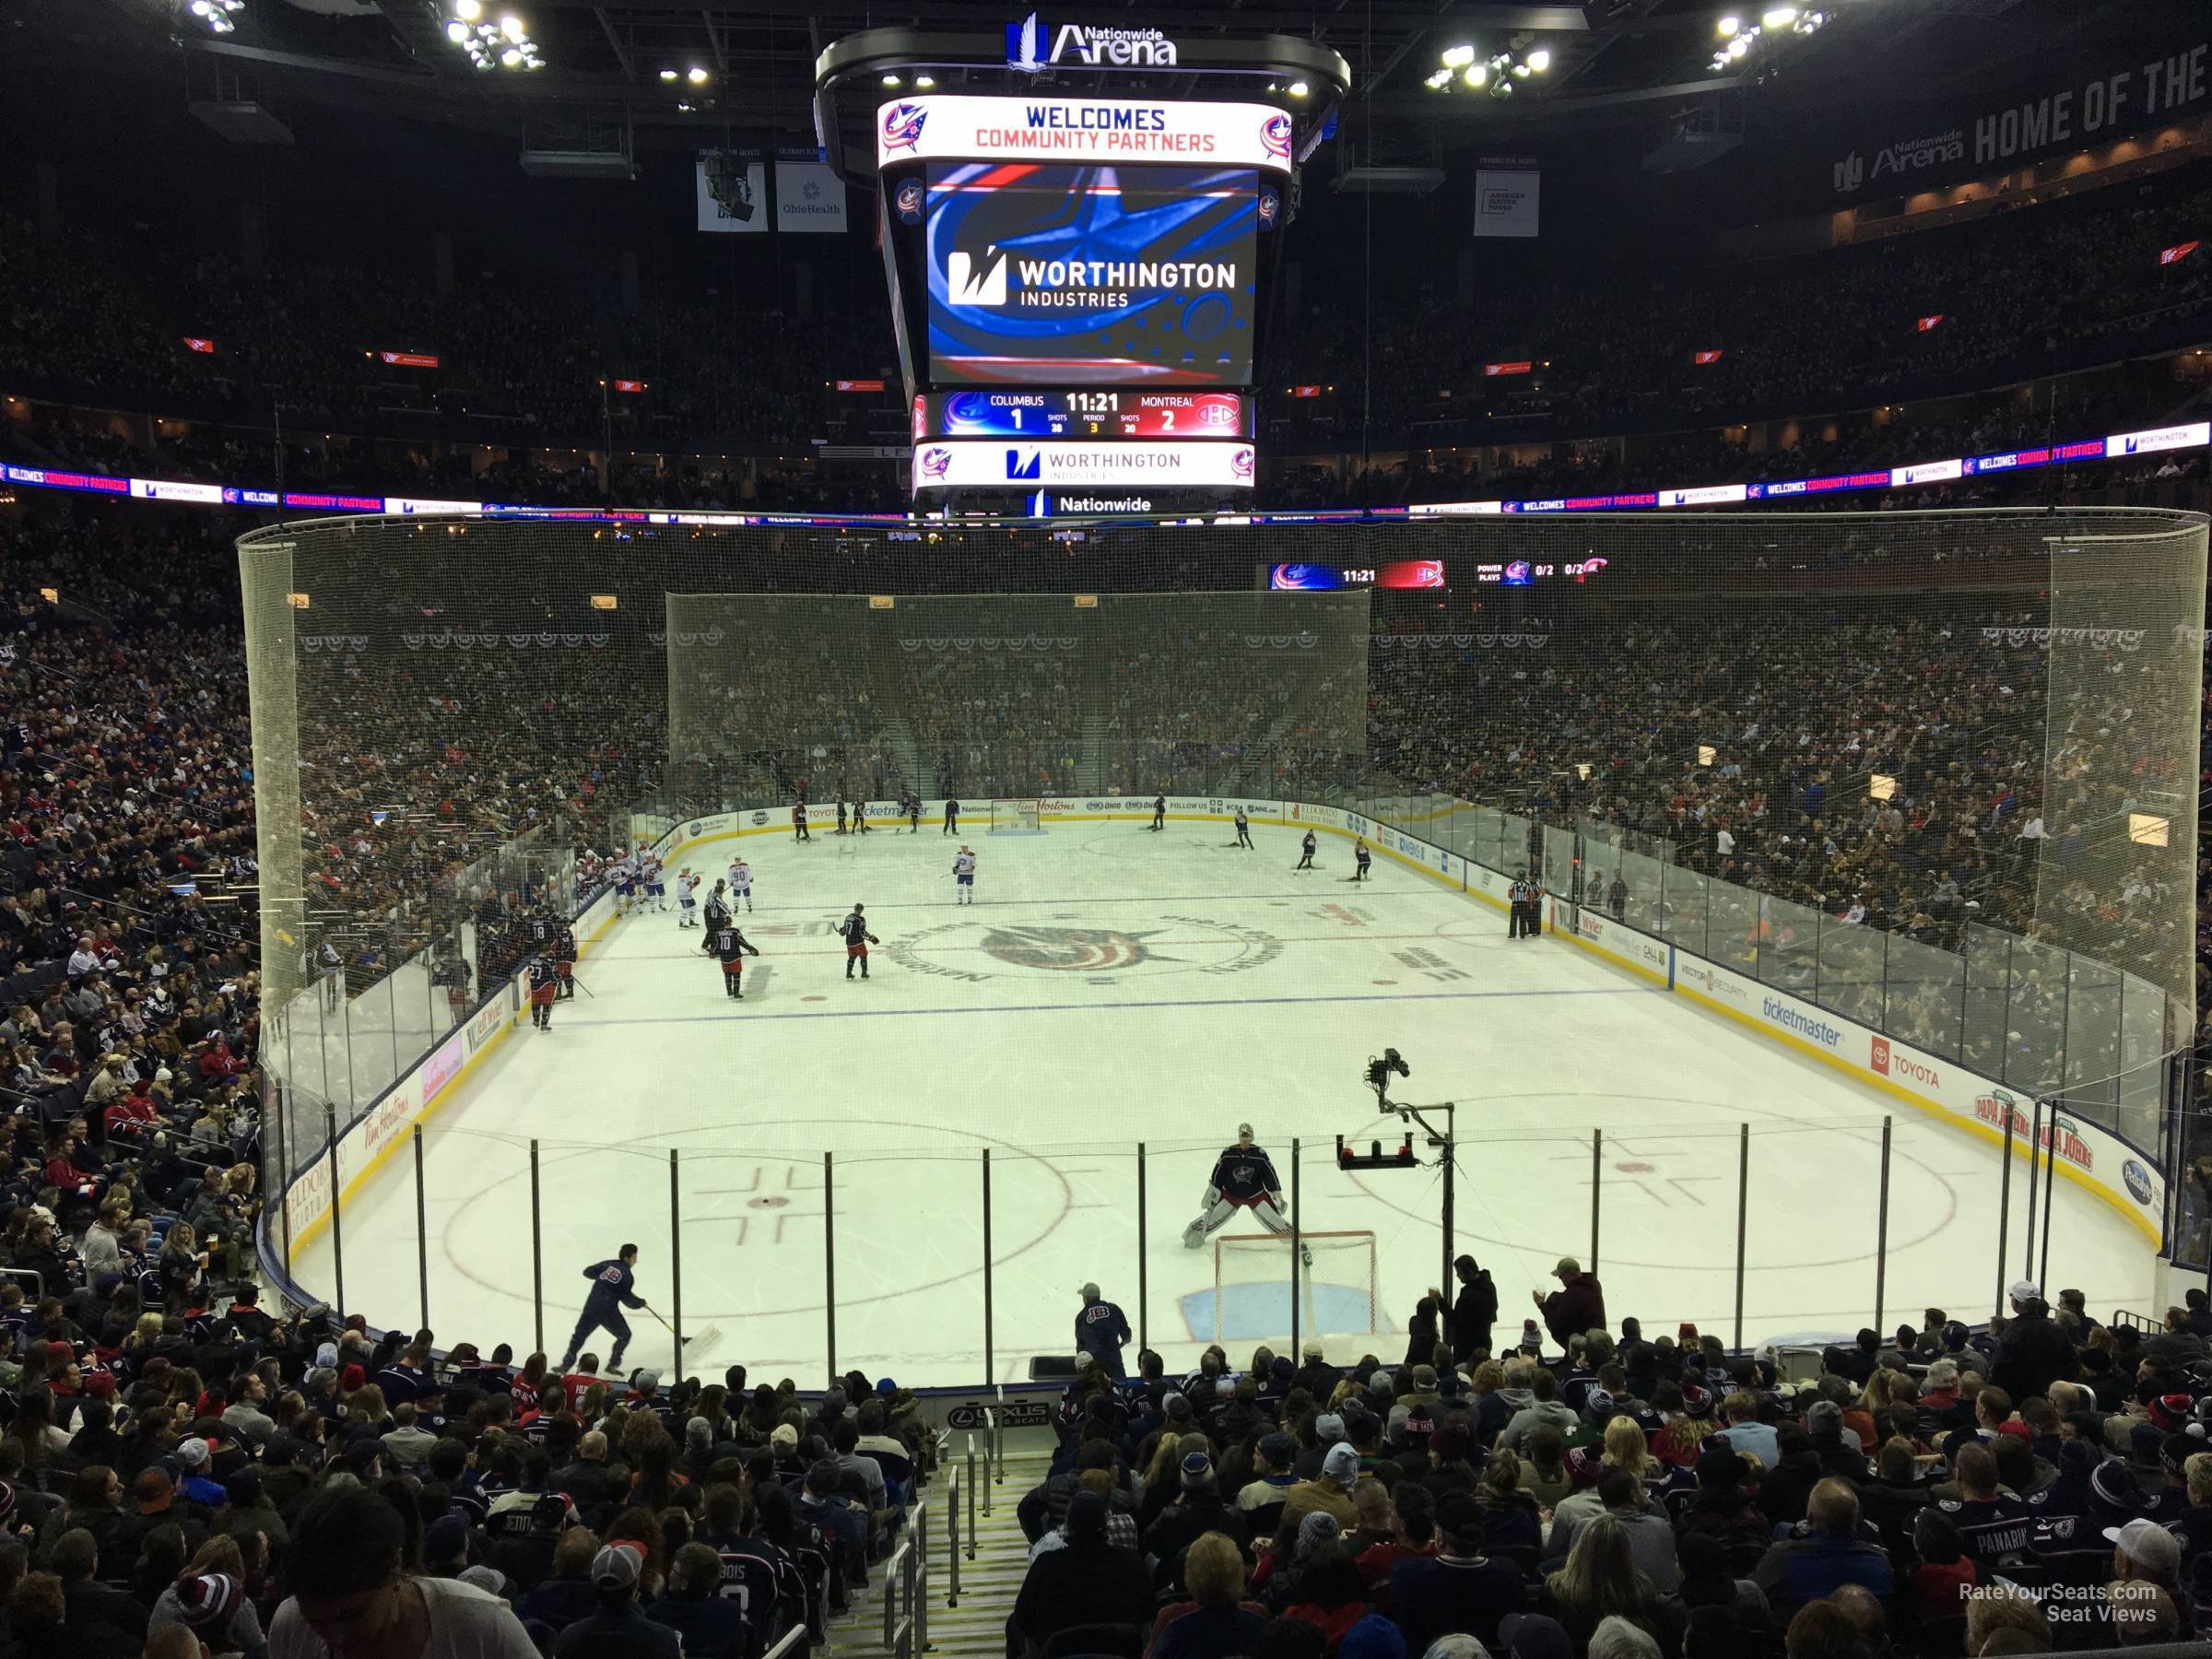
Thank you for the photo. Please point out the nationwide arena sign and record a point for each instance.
(955, 127)
(1035, 44)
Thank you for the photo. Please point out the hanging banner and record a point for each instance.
(733, 192)
(811, 198)
(1506, 193)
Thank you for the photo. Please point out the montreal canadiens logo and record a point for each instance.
(1275, 134)
(902, 126)
(1240, 464)
(936, 462)
(1218, 412)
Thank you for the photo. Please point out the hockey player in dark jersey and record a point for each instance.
(1160, 812)
(913, 813)
(732, 947)
(841, 814)
(545, 985)
(1305, 856)
(718, 915)
(857, 940)
(614, 1287)
(1243, 1178)
(1366, 858)
(564, 958)
(798, 823)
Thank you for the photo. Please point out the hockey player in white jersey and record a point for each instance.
(624, 871)
(656, 887)
(963, 876)
(1243, 1178)
(686, 897)
(741, 883)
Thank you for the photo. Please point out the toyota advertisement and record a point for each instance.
(1058, 275)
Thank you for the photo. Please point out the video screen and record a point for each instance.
(1059, 274)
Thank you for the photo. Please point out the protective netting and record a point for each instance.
(980, 695)
(1931, 771)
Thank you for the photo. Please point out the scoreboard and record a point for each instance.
(1102, 414)
(1076, 284)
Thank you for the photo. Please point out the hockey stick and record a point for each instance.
(706, 1338)
(582, 987)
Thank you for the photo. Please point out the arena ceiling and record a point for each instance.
(1612, 62)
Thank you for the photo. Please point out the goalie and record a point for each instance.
(1243, 1178)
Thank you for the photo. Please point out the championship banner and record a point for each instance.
(811, 198)
(952, 127)
(1507, 195)
(733, 192)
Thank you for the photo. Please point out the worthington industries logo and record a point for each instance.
(1085, 43)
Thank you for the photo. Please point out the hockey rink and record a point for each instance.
(1111, 987)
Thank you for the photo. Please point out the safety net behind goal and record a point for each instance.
(1259, 1277)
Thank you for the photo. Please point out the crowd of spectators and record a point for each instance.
(1586, 1490)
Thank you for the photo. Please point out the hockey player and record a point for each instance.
(625, 872)
(452, 973)
(718, 915)
(860, 818)
(857, 940)
(798, 823)
(963, 876)
(1102, 1331)
(1366, 858)
(913, 813)
(544, 978)
(741, 885)
(952, 817)
(732, 947)
(1243, 830)
(1243, 1178)
(614, 1287)
(686, 897)
(332, 966)
(1520, 903)
(648, 872)
(564, 960)
(841, 814)
(1305, 860)
(1160, 812)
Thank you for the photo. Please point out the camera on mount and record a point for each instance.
(1379, 1074)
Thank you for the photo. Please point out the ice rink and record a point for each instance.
(1111, 987)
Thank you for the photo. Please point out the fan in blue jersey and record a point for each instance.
(1101, 1331)
(1243, 1178)
(613, 1289)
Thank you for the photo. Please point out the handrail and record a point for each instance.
(793, 1645)
(990, 1417)
(952, 1540)
(972, 1497)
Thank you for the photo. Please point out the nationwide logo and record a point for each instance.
(1275, 133)
(973, 952)
(698, 827)
(902, 126)
(935, 462)
(1086, 43)
(966, 284)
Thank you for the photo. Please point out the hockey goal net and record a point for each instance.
(1254, 1273)
(1019, 817)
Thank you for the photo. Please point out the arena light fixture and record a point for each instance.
(925, 81)
(468, 11)
(1728, 25)
(217, 14)
(1458, 57)
(1778, 17)
(1298, 88)
(1475, 74)
(696, 75)
(1539, 60)
(668, 74)
(891, 80)
(504, 44)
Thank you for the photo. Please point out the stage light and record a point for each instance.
(468, 11)
(1728, 25)
(457, 32)
(1501, 87)
(1738, 47)
(668, 74)
(891, 80)
(1477, 74)
(1439, 81)
(510, 58)
(511, 27)
(1298, 88)
(696, 75)
(1458, 57)
(1779, 16)
(1520, 71)
(925, 81)
(1539, 60)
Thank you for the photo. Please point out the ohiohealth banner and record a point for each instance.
(811, 198)
(731, 187)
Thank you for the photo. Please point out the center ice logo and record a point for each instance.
(1079, 949)
(975, 951)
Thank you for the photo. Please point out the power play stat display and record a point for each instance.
(1401, 573)
(1054, 274)
(1099, 414)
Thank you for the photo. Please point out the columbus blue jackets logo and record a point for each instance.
(908, 201)
(1240, 464)
(975, 951)
(1275, 134)
(903, 126)
(935, 462)
(1271, 209)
